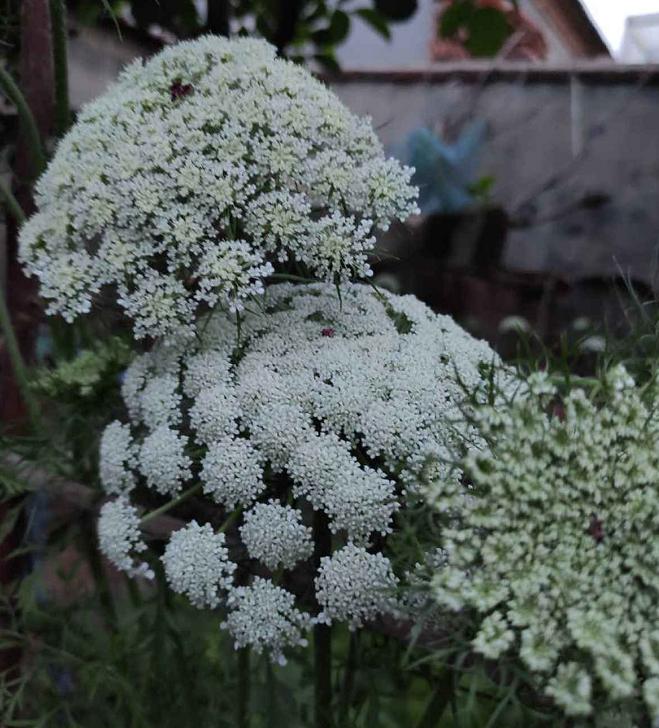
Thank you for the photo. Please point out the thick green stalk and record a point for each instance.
(18, 364)
(61, 67)
(242, 705)
(438, 702)
(13, 93)
(322, 634)
(348, 681)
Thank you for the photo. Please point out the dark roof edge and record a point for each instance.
(580, 20)
(488, 72)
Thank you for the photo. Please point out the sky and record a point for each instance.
(610, 15)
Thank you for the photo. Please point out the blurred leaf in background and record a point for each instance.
(486, 29)
(303, 30)
(482, 29)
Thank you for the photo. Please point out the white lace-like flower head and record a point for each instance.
(118, 456)
(197, 564)
(275, 535)
(554, 544)
(345, 406)
(355, 586)
(194, 173)
(120, 539)
(264, 616)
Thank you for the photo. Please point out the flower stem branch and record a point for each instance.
(11, 204)
(171, 504)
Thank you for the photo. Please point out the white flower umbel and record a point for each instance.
(194, 173)
(556, 545)
(264, 616)
(275, 535)
(119, 537)
(197, 564)
(232, 472)
(163, 461)
(355, 586)
(118, 459)
(344, 405)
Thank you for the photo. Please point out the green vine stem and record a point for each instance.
(13, 93)
(18, 364)
(322, 634)
(11, 204)
(60, 63)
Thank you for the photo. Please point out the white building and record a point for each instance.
(640, 43)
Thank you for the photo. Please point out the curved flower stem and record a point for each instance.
(11, 204)
(13, 93)
(292, 278)
(322, 634)
(171, 504)
(243, 688)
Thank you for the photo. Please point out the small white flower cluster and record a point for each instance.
(344, 406)
(556, 546)
(197, 171)
(197, 564)
(355, 586)
(119, 537)
(275, 535)
(118, 457)
(263, 615)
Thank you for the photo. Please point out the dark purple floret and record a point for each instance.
(178, 89)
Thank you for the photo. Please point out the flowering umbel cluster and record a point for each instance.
(341, 406)
(197, 172)
(556, 546)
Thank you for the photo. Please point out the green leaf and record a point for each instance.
(482, 187)
(340, 26)
(328, 62)
(455, 17)
(488, 31)
(335, 33)
(376, 20)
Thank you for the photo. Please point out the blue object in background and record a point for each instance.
(446, 173)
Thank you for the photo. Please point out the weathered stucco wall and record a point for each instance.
(555, 137)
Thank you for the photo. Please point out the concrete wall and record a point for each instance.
(555, 136)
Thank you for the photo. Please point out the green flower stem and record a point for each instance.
(60, 62)
(242, 705)
(171, 504)
(322, 634)
(18, 365)
(13, 93)
(348, 681)
(439, 701)
(11, 203)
